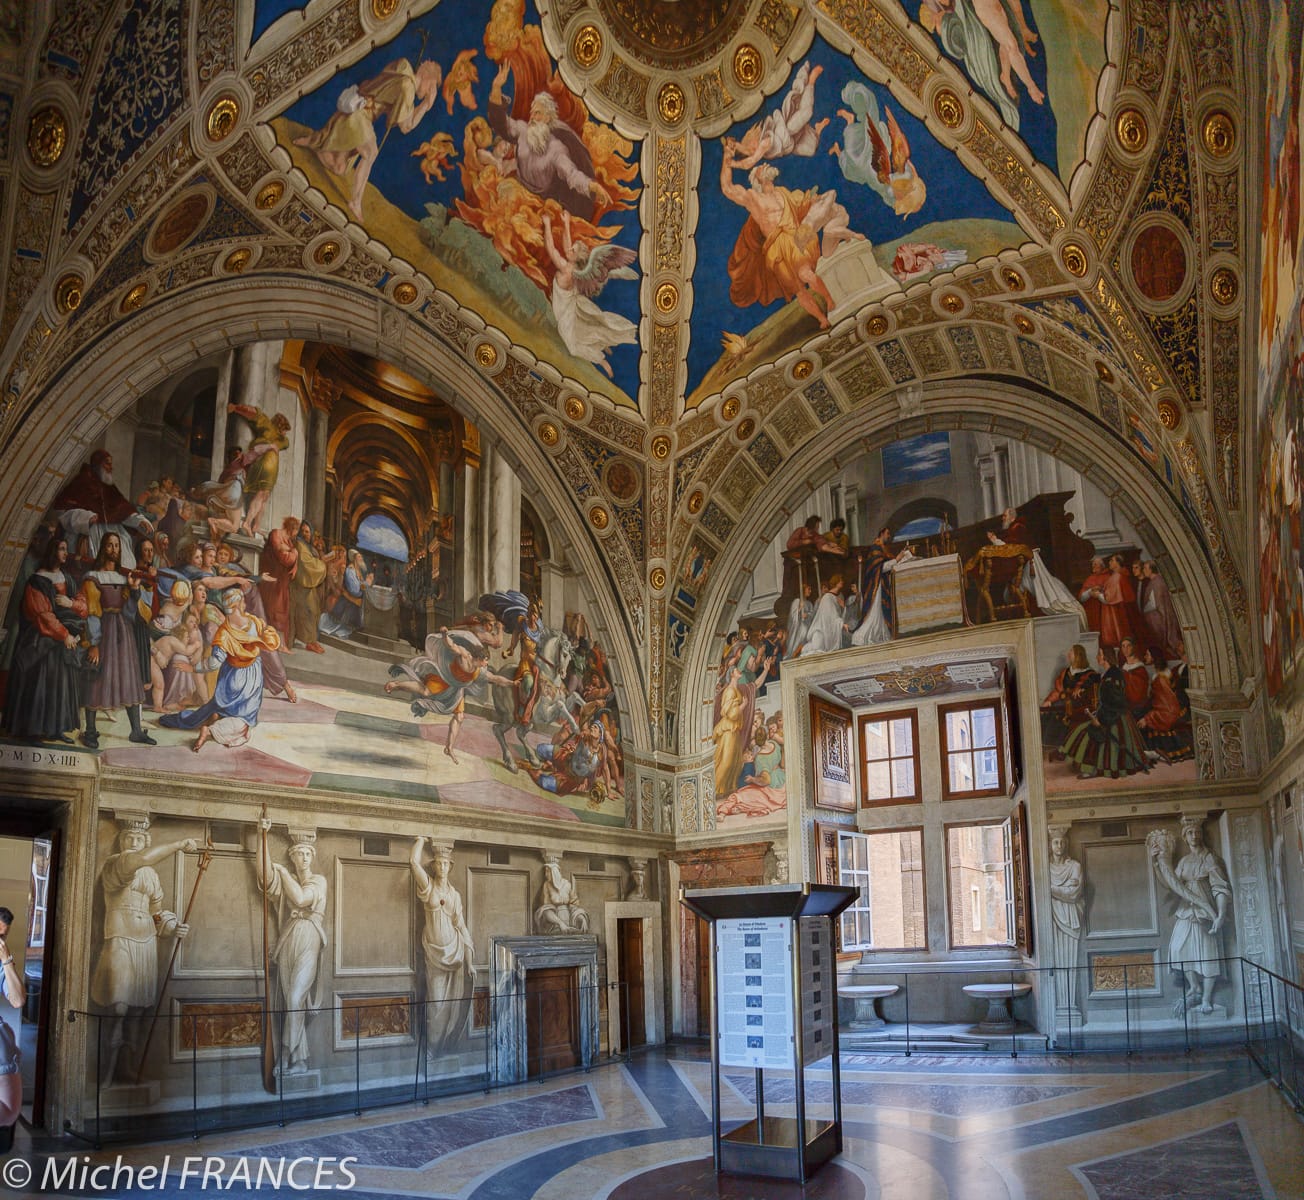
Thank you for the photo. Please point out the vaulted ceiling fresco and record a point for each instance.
(712, 241)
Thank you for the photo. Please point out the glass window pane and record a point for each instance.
(875, 739)
(895, 890)
(863, 930)
(957, 730)
(902, 742)
(984, 726)
(903, 777)
(878, 781)
(980, 884)
(988, 770)
(862, 853)
(845, 852)
(961, 772)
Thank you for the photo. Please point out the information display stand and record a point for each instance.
(774, 1005)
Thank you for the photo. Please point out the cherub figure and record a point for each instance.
(457, 83)
(877, 153)
(788, 129)
(582, 272)
(435, 156)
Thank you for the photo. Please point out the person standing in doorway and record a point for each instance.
(11, 1082)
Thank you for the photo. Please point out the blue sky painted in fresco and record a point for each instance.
(266, 12)
(453, 28)
(379, 534)
(915, 459)
(952, 193)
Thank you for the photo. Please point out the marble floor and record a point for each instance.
(925, 1128)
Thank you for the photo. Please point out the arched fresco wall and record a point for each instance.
(590, 624)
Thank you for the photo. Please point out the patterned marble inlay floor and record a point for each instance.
(1207, 1127)
(411, 1144)
(953, 1100)
(1217, 1162)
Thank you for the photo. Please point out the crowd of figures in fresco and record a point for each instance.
(1129, 708)
(1114, 711)
(1281, 357)
(179, 610)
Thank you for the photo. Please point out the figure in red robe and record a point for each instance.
(1091, 590)
(279, 559)
(1118, 610)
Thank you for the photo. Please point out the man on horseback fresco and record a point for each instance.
(529, 633)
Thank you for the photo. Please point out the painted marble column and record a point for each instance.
(503, 519)
(466, 539)
(225, 379)
(314, 497)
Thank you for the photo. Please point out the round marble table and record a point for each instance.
(999, 1018)
(865, 997)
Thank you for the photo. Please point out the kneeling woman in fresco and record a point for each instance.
(1107, 742)
(232, 713)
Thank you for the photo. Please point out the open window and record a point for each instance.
(887, 870)
(980, 871)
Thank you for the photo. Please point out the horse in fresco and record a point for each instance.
(553, 660)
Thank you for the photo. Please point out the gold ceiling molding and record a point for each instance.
(221, 118)
(68, 293)
(1132, 130)
(586, 45)
(133, 298)
(47, 135)
(705, 63)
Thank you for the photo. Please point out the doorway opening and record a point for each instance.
(28, 870)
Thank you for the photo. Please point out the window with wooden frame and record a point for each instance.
(889, 758)
(973, 749)
(980, 877)
(887, 869)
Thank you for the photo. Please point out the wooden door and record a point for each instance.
(633, 1022)
(703, 978)
(552, 1020)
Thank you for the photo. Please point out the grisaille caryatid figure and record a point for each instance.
(446, 941)
(125, 982)
(1199, 881)
(300, 894)
(1066, 909)
(558, 909)
(637, 880)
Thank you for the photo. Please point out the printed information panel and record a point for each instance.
(819, 991)
(753, 971)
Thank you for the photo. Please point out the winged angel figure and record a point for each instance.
(582, 272)
(876, 152)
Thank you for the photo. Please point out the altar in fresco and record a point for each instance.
(1110, 645)
(272, 589)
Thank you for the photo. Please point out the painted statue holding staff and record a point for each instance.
(126, 973)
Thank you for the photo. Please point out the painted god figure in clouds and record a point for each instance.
(487, 162)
